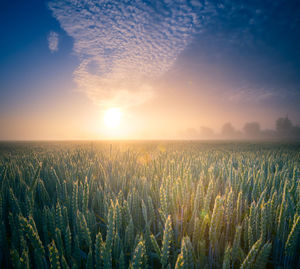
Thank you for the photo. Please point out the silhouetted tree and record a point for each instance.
(284, 125)
(285, 129)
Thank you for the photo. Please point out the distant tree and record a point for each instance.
(284, 125)
(252, 129)
(228, 129)
(285, 129)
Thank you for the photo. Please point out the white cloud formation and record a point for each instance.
(53, 41)
(122, 45)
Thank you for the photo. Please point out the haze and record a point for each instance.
(176, 70)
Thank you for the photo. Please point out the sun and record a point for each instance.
(112, 117)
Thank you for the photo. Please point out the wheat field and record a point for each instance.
(149, 205)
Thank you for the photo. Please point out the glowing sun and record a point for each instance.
(112, 117)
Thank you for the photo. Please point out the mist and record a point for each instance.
(284, 130)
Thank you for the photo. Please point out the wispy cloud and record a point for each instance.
(247, 94)
(122, 46)
(53, 41)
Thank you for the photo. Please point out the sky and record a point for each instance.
(172, 68)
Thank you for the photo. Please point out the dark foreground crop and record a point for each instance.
(155, 205)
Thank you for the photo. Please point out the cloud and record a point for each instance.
(251, 94)
(53, 41)
(124, 45)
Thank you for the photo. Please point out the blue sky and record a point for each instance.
(232, 61)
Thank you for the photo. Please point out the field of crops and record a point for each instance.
(149, 205)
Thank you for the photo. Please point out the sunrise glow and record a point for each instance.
(150, 134)
(112, 117)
